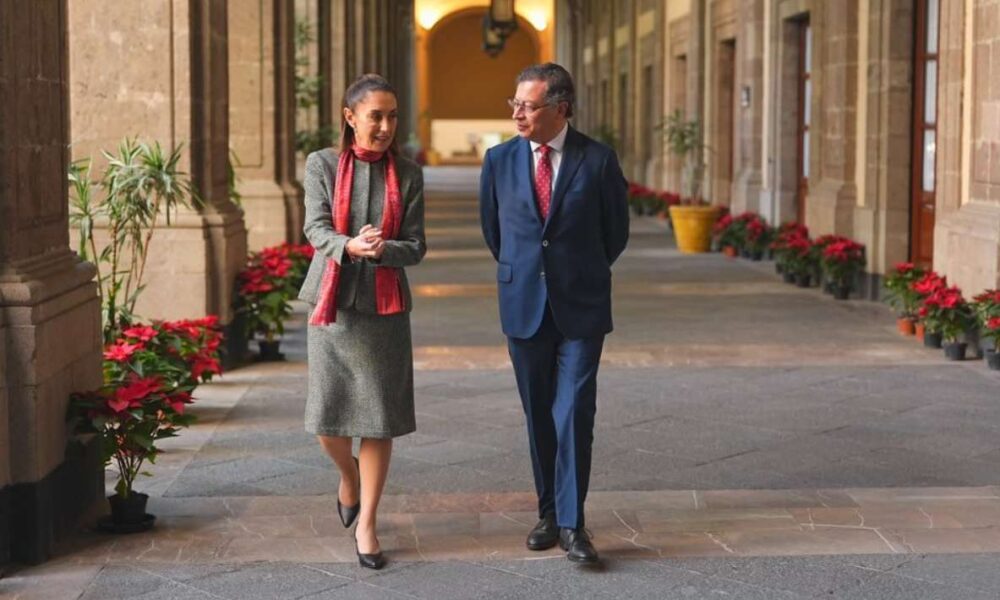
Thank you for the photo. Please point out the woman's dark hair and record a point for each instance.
(356, 92)
(560, 84)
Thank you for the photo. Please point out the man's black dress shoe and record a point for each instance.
(545, 534)
(370, 561)
(348, 513)
(576, 543)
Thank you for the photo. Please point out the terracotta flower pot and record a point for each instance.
(919, 330)
(906, 326)
(729, 251)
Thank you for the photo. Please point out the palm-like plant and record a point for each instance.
(684, 140)
(139, 183)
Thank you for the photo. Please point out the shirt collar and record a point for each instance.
(557, 142)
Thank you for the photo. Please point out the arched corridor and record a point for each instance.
(737, 417)
(753, 439)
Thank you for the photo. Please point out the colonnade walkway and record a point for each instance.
(753, 440)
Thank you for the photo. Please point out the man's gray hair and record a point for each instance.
(560, 83)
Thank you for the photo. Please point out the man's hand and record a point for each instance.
(367, 244)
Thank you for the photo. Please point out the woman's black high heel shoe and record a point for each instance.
(349, 513)
(370, 561)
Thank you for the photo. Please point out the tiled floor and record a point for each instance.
(754, 440)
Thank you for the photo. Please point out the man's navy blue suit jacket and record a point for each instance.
(565, 260)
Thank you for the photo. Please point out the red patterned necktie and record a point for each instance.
(543, 180)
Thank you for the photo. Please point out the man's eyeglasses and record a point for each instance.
(529, 108)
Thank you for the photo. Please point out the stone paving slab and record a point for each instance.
(655, 524)
(753, 440)
(890, 577)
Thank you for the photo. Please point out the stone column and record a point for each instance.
(330, 36)
(262, 120)
(284, 75)
(158, 69)
(696, 62)
(967, 227)
(51, 337)
(832, 199)
(749, 142)
(882, 218)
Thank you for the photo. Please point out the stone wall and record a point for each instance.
(967, 225)
(156, 70)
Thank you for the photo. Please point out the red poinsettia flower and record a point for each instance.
(131, 395)
(801, 245)
(178, 400)
(928, 284)
(723, 222)
(211, 321)
(256, 287)
(143, 333)
(121, 351)
(993, 324)
(904, 267)
(205, 363)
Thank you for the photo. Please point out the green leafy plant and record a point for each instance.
(684, 139)
(842, 260)
(607, 135)
(945, 311)
(899, 289)
(140, 184)
(308, 141)
(307, 92)
(266, 287)
(232, 179)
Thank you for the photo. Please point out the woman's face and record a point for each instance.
(374, 121)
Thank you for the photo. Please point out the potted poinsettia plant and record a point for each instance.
(785, 232)
(757, 236)
(800, 259)
(901, 295)
(266, 289)
(926, 327)
(842, 261)
(693, 217)
(950, 316)
(724, 235)
(987, 308)
(991, 332)
(150, 374)
(820, 244)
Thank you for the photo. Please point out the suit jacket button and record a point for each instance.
(543, 275)
(545, 243)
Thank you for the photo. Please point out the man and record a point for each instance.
(554, 215)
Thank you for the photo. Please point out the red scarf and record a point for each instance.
(388, 295)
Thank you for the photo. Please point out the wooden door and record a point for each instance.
(805, 118)
(923, 188)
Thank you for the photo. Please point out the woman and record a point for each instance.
(365, 217)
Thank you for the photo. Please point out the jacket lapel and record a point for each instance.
(571, 160)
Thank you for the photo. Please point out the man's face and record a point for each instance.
(536, 120)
